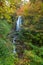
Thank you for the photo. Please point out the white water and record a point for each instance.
(18, 28)
(18, 24)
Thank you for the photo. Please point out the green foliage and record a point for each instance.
(29, 42)
(8, 8)
(31, 36)
(6, 48)
(32, 46)
(4, 27)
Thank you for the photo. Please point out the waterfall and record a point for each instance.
(18, 24)
(18, 28)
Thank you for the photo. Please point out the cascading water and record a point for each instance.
(18, 28)
(18, 23)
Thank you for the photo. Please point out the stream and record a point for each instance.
(18, 28)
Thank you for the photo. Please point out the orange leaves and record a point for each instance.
(20, 11)
(30, 9)
(23, 10)
(1, 4)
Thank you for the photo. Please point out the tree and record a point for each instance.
(31, 36)
(8, 8)
(6, 48)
